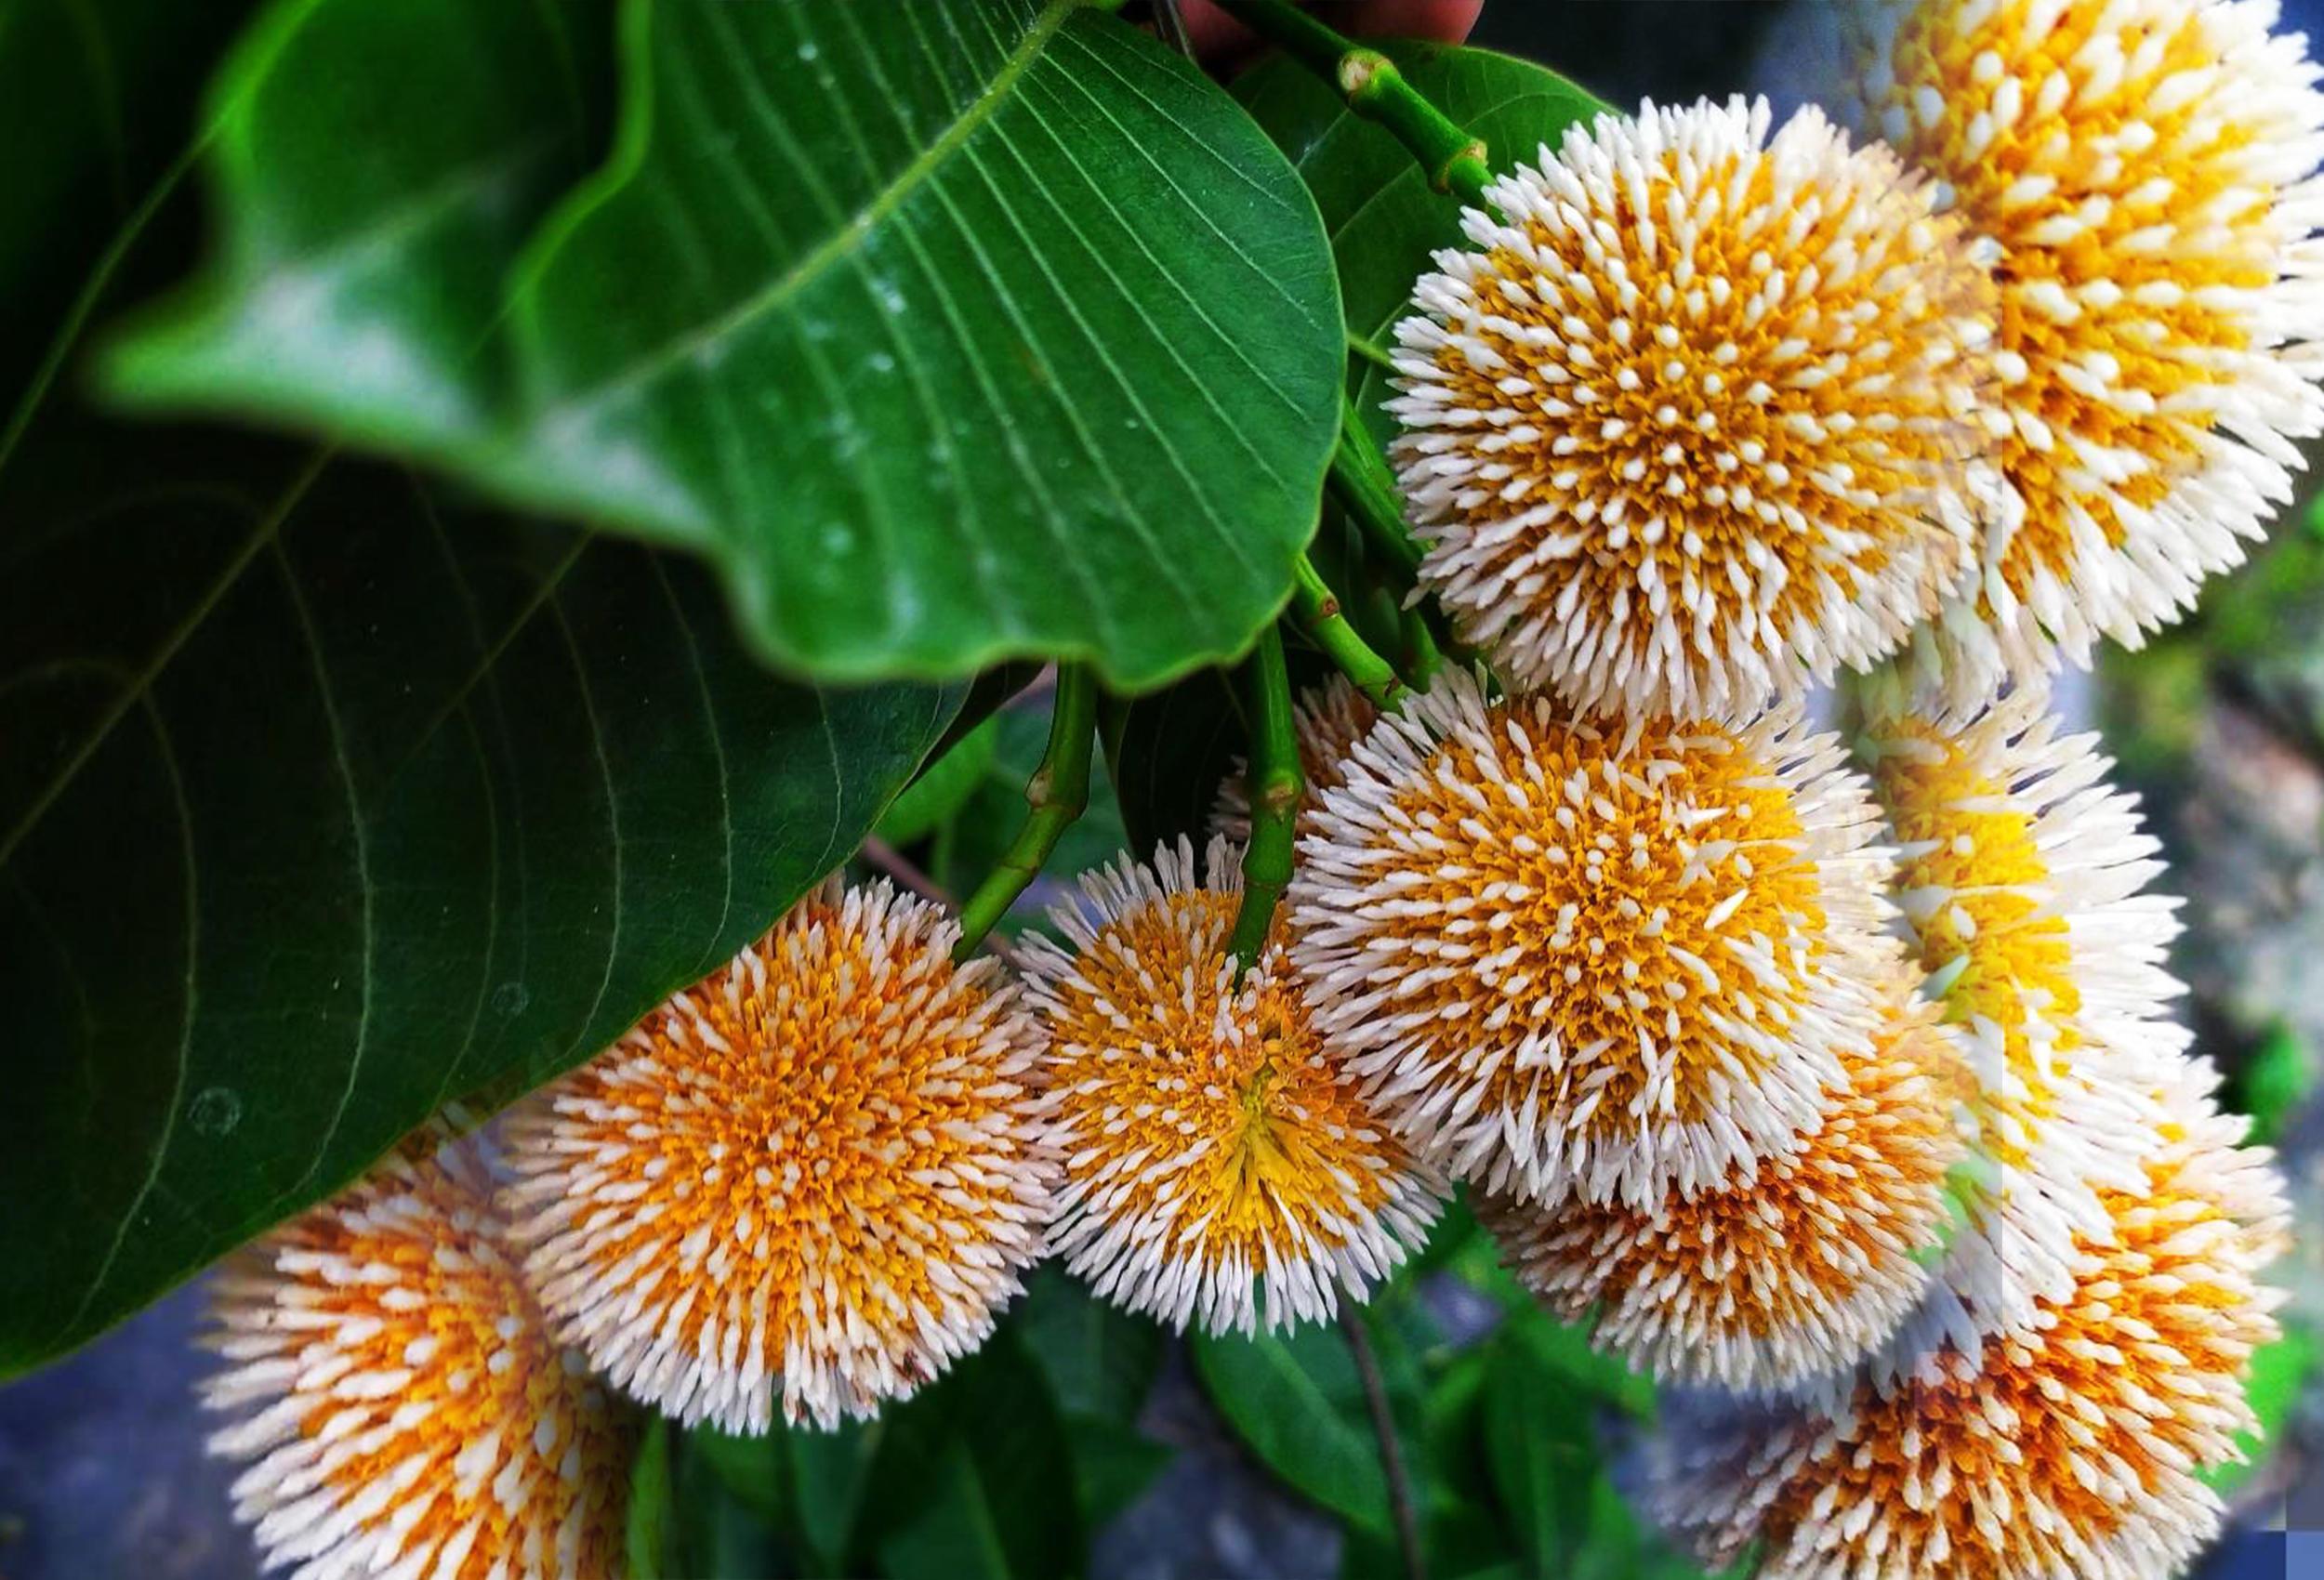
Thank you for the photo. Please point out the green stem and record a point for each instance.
(1375, 90)
(1366, 350)
(1319, 616)
(1057, 792)
(1422, 657)
(1362, 485)
(1273, 786)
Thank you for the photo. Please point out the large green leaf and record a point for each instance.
(1383, 218)
(324, 798)
(948, 332)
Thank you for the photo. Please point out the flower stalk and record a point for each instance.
(1376, 91)
(1319, 613)
(1057, 793)
(1274, 785)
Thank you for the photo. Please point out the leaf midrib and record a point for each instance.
(846, 237)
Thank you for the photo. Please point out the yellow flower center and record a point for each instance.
(1161, 1057)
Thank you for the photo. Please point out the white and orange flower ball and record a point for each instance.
(2066, 1445)
(2023, 878)
(808, 1183)
(1594, 959)
(1222, 1168)
(1783, 1272)
(401, 1401)
(1690, 421)
(2149, 172)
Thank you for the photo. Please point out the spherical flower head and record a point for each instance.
(1787, 1271)
(2069, 1446)
(1690, 420)
(1574, 958)
(1327, 721)
(2148, 170)
(1222, 1168)
(2022, 876)
(818, 1173)
(402, 1404)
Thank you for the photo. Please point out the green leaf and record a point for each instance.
(972, 330)
(942, 789)
(724, 1522)
(830, 1471)
(376, 169)
(1384, 220)
(1113, 1465)
(1296, 1401)
(327, 797)
(1099, 1364)
(646, 1538)
(1174, 749)
(2280, 1076)
(1541, 1448)
(755, 1470)
(968, 1481)
(1100, 1360)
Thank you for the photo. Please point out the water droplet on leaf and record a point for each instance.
(213, 1112)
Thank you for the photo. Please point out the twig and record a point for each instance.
(1273, 786)
(1057, 793)
(1320, 615)
(1375, 90)
(1391, 1452)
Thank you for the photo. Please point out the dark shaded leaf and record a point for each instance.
(943, 789)
(968, 1481)
(830, 1473)
(97, 107)
(1175, 747)
(1100, 1360)
(974, 329)
(325, 798)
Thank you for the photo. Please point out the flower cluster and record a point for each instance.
(1884, 1132)
(1845, 1088)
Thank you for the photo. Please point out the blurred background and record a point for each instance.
(1175, 1459)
